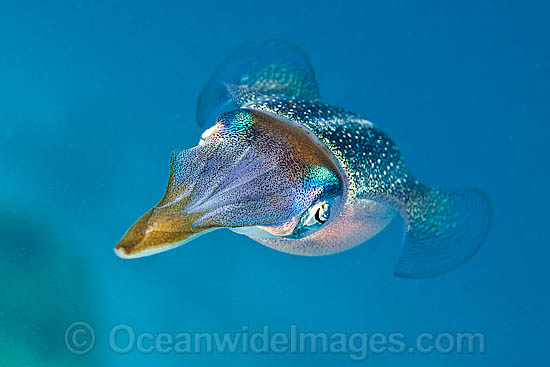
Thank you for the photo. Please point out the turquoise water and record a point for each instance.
(94, 95)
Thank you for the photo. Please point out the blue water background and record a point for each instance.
(94, 95)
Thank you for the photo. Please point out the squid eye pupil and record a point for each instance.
(320, 217)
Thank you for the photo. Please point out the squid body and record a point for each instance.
(300, 176)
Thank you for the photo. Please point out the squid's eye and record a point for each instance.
(321, 215)
(312, 220)
(317, 215)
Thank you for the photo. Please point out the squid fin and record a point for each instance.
(257, 69)
(444, 229)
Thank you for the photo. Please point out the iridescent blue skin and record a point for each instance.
(301, 176)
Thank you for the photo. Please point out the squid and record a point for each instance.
(279, 165)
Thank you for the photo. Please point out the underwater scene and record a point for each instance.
(244, 183)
